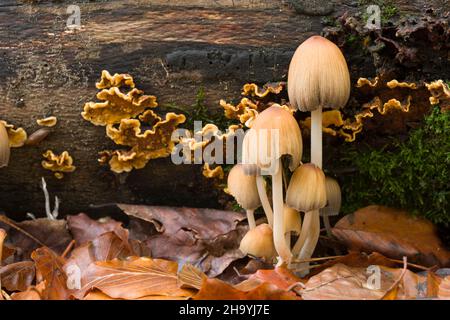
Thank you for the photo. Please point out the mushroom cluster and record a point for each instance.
(273, 146)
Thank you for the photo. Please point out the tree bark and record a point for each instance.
(171, 48)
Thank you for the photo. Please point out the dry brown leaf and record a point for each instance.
(49, 268)
(32, 293)
(444, 289)
(394, 234)
(280, 277)
(215, 289)
(17, 276)
(341, 282)
(133, 279)
(85, 229)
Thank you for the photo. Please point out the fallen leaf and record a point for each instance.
(394, 234)
(32, 293)
(215, 289)
(444, 289)
(17, 276)
(85, 229)
(51, 233)
(49, 268)
(341, 282)
(206, 238)
(133, 279)
(280, 277)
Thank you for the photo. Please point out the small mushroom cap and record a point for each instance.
(318, 76)
(258, 242)
(333, 198)
(243, 188)
(273, 122)
(47, 122)
(5, 148)
(292, 220)
(307, 191)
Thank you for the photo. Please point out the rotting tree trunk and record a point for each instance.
(172, 48)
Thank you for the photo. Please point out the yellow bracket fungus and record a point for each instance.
(117, 106)
(217, 172)
(139, 127)
(117, 80)
(17, 137)
(47, 122)
(59, 164)
(440, 94)
(251, 89)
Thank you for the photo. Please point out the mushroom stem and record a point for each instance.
(311, 241)
(306, 226)
(326, 222)
(278, 220)
(316, 137)
(264, 199)
(251, 218)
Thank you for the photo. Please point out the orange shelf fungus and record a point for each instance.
(47, 122)
(117, 80)
(125, 115)
(216, 173)
(440, 94)
(59, 164)
(394, 84)
(251, 89)
(366, 82)
(17, 137)
(117, 106)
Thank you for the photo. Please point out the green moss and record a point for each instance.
(387, 7)
(199, 111)
(413, 175)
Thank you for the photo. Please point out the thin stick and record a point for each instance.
(68, 249)
(397, 282)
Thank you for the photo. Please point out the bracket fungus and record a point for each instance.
(10, 138)
(139, 127)
(59, 164)
(209, 173)
(47, 122)
(440, 94)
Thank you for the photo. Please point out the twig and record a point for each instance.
(68, 249)
(12, 224)
(397, 282)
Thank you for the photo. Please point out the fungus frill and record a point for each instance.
(139, 127)
(47, 122)
(59, 164)
(117, 106)
(440, 94)
(216, 173)
(17, 137)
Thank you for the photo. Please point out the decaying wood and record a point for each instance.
(172, 48)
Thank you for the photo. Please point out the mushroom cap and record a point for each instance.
(258, 242)
(318, 76)
(243, 188)
(292, 220)
(5, 148)
(307, 191)
(274, 122)
(334, 198)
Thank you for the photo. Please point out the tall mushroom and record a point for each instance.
(243, 188)
(333, 206)
(274, 133)
(318, 78)
(307, 193)
(5, 147)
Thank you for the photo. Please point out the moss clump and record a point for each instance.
(387, 9)
(413, 175)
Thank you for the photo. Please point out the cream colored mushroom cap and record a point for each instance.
(334, 198)
(318, 76)
(258, 242)
(243, 188)
(5, 148)
(306, 191)
(292, 220)
(274, 122)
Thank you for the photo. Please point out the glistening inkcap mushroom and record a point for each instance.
(274, 133)
(5, 148)
(258, 242)
(307, 193)
(243, 188)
